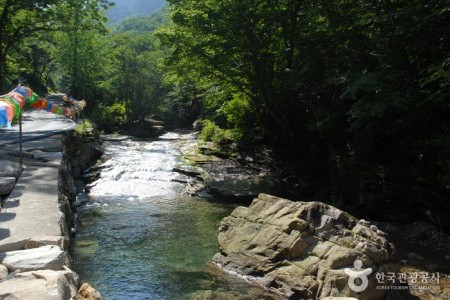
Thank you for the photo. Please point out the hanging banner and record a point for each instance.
(22, 98)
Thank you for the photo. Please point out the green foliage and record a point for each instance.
(213, 133)
(83, 128)
(137, 79)
(111, 118)
(354, 79)
(29, 24)
(351, 79)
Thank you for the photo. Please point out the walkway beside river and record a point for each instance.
(32, 209)
(34, 236)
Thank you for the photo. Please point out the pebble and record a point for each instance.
(373, 227)
(381, 233)
(364, 222)
(447, 257)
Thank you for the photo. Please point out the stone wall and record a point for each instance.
(34, 262)
(80, 151)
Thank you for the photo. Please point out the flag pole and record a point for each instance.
(20, 128)
(20, 139)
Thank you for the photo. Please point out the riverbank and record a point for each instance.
(420, 247)
(36, 219)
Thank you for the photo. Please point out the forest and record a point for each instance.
(353, 94)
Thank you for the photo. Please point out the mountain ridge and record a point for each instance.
(128, 8)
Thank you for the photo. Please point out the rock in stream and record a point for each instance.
(301, 250)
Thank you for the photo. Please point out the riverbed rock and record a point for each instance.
(301, 250)
(87, 292)
(7, 185)
(3, 272)
(146, 129)
(47, 257)
(10, 169)
(40, 285)
(197, 125)
(229, 175)
(46, 241)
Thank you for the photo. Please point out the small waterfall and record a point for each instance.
(140, 236)
(140, 169)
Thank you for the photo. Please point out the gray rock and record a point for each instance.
(3, 272)
(81, 198)
(197, 125)
(7, 185)
(45, 241)
(10, 169)
(300, 250)
(12, 244)
(47, 155)
(40, 285)
(47, 257)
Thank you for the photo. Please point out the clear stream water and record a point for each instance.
(139, 236)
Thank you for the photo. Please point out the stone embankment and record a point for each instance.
(37, 216)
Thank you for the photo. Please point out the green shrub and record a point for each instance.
(213, 133)
(84, 126)
(111, 118)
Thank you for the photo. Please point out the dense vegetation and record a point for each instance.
(360, 86)
(348, 85)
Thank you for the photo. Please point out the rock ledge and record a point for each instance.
(299, 250)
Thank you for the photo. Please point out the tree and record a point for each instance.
(138, 77)
(19, 20)
(22, 21)
(333, 82)
(80, 45)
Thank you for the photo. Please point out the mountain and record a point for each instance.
(127, 8)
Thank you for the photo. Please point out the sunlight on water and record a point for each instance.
(140, 169)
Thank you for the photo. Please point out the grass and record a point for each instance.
(84, 127)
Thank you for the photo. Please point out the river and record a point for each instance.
(140, 236)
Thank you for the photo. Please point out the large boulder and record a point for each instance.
(3, 272)
(302, 250)
(147, 129)
(40, 285)
(7, 185)
(10, 169)
(47, 257)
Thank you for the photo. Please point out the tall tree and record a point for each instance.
(19, 20)
(80, 42)
(137, 79)
(340, 81)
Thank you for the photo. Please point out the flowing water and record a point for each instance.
(139, 236)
